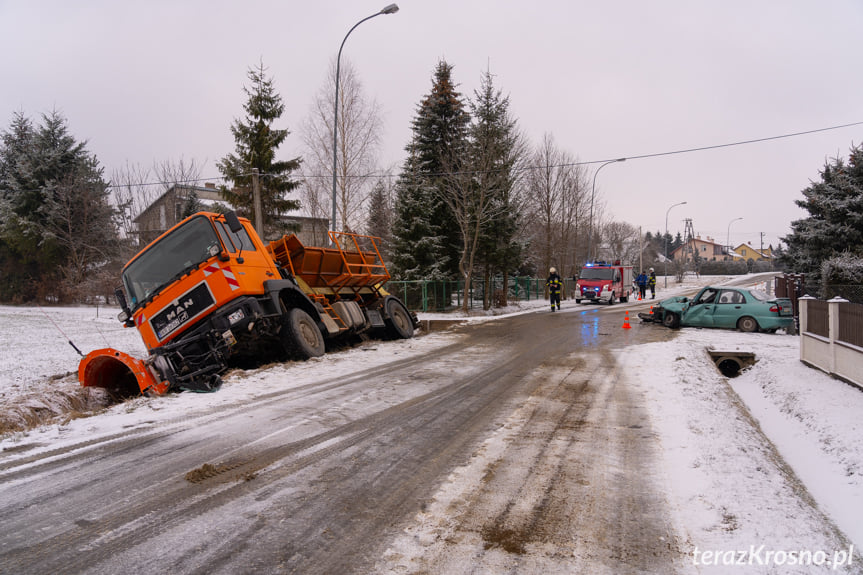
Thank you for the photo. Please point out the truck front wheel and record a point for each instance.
(301, 336)
(400, 324)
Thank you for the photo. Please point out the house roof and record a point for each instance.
(765, 254)
(694, 241)
(213, 191)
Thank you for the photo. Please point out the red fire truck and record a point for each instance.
(604, 282)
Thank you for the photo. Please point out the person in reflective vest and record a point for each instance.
(553, 283)
(651, 283)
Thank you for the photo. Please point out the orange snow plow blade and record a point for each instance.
(119, 373)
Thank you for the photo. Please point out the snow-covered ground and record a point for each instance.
(723, 490)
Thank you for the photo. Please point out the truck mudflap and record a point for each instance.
(119, 373)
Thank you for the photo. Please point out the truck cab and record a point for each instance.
(604, 282)
(193, 268)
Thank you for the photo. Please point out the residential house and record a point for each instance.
(167, 210)
(745, 252)
(706, 249)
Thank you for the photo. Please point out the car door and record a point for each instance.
(728, 308)
(700, 310)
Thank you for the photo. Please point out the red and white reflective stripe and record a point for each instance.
(140, 320)
(230, 278)
(210, 269)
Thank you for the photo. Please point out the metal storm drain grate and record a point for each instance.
(731, 363)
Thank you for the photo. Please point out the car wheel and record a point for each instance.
(301, 336)
(671, 320)
(747, 324)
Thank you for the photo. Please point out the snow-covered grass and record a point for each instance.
(733, 488)
(730, 485)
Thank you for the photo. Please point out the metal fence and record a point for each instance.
(439, 296)
(818, 319)
(853, 293)
(851, 323)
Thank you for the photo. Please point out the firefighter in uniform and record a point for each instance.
(553, 283)
(651, 283)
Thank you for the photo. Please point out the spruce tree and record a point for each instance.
(426, 236)
(15, 181)
(57, 223)
(835, 222)
(379, 222)
(418, 248)
(495, 150)
(256, 144)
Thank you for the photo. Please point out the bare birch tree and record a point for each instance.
(468, 196)
(556, 190)
(134, 188)
(621, 242)
(176, 173)
(358, 144)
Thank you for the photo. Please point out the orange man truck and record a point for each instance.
(208, 294)
(604, 282)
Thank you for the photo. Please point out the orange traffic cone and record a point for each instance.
(626, 321)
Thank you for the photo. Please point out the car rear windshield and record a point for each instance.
(759, 295)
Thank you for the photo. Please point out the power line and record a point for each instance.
(526, 168)
(740, 143)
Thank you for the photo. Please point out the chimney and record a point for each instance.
(210, 185)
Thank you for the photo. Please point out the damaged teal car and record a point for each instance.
(748, 310)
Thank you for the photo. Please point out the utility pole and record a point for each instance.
(762, 244)
(691, 249)
(256, 198)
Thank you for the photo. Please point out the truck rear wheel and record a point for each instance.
(301, 336)
(399, 323)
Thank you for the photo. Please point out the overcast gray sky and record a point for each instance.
(160, 80)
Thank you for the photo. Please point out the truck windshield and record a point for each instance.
(596, 274)
(169, 258)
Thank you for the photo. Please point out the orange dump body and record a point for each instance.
(354, 263)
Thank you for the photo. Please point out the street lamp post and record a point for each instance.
(390, 9)
(592, 191)
(728, 236)
(666, 242)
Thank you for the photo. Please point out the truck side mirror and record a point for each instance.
(124, 316)
(233, 222)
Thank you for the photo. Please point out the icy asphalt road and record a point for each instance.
(282, 484)
(330, 477)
